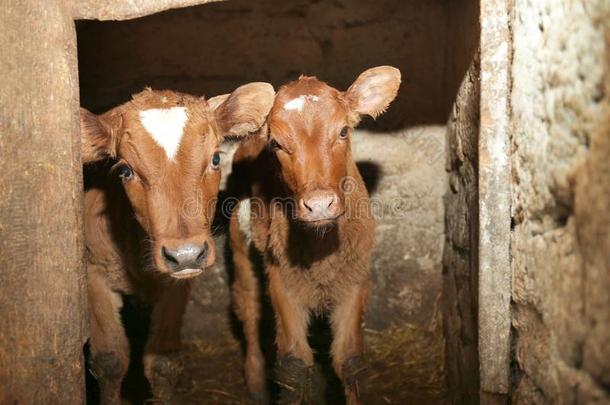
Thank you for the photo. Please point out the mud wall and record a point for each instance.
(560, 242)
(226, 44)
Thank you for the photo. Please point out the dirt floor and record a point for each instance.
(405, 367)
(405, 364)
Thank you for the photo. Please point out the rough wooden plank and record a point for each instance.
(41, 272)
(125, 10)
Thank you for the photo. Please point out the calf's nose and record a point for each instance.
(319, 205)
(185, 257)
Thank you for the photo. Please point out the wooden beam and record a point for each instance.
(42, 279)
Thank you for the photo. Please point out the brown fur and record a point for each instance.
(165, 203)
(319, 266)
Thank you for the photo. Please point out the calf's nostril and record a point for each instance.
(185, 256)
(305, 206)
(319, 205)
(169, 257)
(203, 254)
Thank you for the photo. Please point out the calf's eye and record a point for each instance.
(344, 133)
(215, 160)
(125, 172)
(274, 145)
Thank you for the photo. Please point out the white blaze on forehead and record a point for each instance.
(299, 102)
(166, 126)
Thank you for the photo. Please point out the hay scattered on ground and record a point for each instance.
(406, 366)
(212, 374)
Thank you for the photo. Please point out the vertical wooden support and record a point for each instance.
(41, 269)
(494, 203)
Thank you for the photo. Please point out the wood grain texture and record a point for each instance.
(41, 270)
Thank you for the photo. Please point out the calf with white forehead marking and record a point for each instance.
(298, 102)
(148, 218)
(166, 126)
(310, 218)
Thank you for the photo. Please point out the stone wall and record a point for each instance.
(560, 197)
(460, 264)
(460, 258)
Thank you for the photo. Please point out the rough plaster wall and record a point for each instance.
(226, 44)
(561, 243)
(460, 253)
(405, 171)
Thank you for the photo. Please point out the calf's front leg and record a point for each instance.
(162, 365)
(109, 344)
(347, 347)
(295, 371)
(247, 305)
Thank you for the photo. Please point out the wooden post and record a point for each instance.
(42, 280)
(494, 204)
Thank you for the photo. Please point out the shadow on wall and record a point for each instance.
(211, 49)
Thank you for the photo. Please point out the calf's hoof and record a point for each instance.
(163, 372)
(255, 378)
(353, 375)
(298, 382)
(108, 368)
(260, 397)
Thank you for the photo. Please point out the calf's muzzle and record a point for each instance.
(319, 205)
(186, 260)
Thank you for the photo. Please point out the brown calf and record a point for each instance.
(309, 215)
(147, 222)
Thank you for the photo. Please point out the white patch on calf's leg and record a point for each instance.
(243, 219)
(166, 127)
(298, 102)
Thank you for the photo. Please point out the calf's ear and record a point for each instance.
(374, 90)
(97, 139)
(243, 111)
(215, 102)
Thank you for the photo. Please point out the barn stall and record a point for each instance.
(461, 242)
